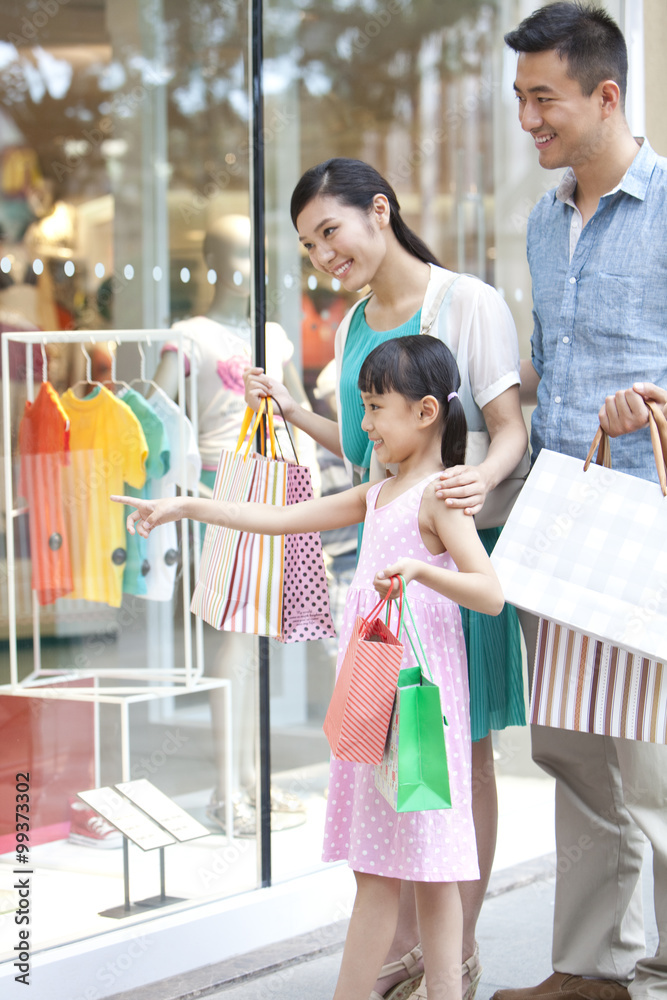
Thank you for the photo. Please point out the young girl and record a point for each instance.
(414, 418)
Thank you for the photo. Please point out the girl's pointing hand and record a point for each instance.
(149, 513)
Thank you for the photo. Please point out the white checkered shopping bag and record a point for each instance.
(587, 549)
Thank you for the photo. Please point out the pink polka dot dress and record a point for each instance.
(361, 827)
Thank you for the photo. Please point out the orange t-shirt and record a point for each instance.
(108, 449)
(44, 447)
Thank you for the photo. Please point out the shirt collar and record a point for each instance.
(634, 182)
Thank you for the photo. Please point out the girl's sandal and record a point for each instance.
(471, 967)
(409, 964)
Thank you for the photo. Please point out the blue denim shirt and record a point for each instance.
(600, 319)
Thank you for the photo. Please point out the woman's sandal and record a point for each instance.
(471, 967)
(413, 974)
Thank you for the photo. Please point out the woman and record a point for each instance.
(348, 219)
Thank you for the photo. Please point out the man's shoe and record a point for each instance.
(562, 986)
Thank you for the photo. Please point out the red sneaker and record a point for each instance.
(89, 829)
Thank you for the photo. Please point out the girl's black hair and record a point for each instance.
(415, 367)
(356, 183)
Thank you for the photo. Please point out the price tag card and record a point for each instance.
(162, 809)
(126, 817)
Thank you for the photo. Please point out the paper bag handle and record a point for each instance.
(416, 631)
(374, 612)
(658, 427)
(402, 595)
(601, 442)
(250, 417)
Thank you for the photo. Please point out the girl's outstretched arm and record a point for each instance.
(475, 585)
(336, 511)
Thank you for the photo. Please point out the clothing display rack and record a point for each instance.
(148, 684)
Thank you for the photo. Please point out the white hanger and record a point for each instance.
(88, 380)
(142, 374)
(113, 380)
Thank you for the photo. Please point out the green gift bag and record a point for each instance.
(413, 774)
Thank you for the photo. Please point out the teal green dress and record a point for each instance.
(493, 644)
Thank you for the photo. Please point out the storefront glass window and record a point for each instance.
(124, 207)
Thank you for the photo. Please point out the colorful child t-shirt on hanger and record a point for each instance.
(138, 567)
(163, 552)
(108, 448)
(44, 450)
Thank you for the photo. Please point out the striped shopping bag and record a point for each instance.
(240, 585)
(591, 686)
(272, 585)
(358, 717)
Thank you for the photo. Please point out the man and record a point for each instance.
(598, 260)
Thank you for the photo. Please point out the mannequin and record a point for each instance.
(221, 342)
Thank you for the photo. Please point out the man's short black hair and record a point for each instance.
(584, 35)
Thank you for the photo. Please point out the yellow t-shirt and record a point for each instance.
(108, 448)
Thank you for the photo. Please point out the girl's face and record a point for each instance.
(390, 421)
(344, 241)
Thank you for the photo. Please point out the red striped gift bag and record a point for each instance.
(590, 686)
(358, 717)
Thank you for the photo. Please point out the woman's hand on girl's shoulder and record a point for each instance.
(463, 486)
(258, 386)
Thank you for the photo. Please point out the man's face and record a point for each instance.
(565, 124)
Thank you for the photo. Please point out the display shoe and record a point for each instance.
(563, 986)
(88, 829)
(287, 809)
(409, 965)
(245, 817)
(282, 801)
(474, 970)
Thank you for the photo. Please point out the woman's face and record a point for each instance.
(343, 241)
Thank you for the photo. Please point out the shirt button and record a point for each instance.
(573, 281)
(557, 399)
(566, 340)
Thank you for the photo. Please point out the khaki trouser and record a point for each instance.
(609, 793)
